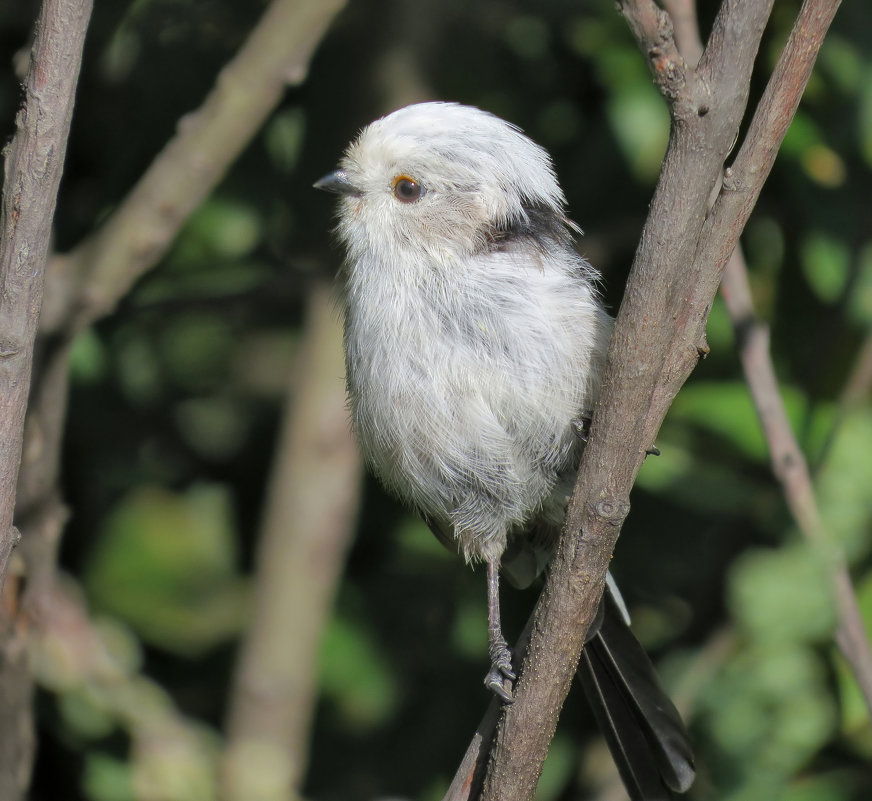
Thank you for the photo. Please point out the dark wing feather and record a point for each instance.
(643, 729)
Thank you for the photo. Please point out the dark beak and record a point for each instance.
(336, 182)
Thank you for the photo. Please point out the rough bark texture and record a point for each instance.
(32, 173)
(660, 331)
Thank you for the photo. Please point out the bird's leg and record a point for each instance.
(498, 648)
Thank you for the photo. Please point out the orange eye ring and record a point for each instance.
(407, 190)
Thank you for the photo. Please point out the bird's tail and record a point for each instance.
(641, 725)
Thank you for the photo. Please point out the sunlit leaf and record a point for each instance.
(842, 62)
(726, 408)
(860, 300)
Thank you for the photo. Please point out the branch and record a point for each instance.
(90, 280)
(33, 167)
(791, 468)
(652, 28)
(308, 522)
(788, 462)
(659, 335)
(743, 181)
(101, 270)
(683, 15)
(74, 657)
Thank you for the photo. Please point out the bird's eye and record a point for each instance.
(407, 190)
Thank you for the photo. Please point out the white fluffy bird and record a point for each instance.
(474, 341)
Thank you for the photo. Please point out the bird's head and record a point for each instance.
(443, 179)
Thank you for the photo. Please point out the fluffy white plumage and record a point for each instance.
(474, 335)
(474, 341)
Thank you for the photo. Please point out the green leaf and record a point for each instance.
(195, 348)
(107, 779)
(692, 482)
(558, 767)
(782, 596)
(770, 710)
(88, 360)
(726, 408)
(826, 263)
(284, 137)
(860, 299)
(354, 675)
(842, 485)
(165, 563)
(640, 122)
(801, 135)
(856, 724)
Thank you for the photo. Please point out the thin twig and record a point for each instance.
(790, 466)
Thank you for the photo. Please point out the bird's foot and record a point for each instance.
(581, 426)
(500, 671)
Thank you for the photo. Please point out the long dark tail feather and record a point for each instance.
(641, 725)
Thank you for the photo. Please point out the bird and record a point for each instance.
(475, 339)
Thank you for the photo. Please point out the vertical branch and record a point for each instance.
(308, 522)
(32, 174)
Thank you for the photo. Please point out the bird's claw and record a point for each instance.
(581, 426)
(495, 681)
(501, 669)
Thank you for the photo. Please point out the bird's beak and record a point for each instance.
(337, 182)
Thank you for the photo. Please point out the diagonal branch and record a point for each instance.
(89, 281)
(101, 270)
(791, 468)
(788, 462)
(659, 335)
(652, 27)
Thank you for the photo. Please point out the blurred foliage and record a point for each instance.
(176, 400)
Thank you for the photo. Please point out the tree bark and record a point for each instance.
(660, 330)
